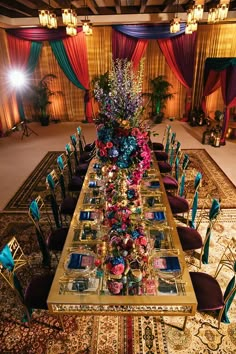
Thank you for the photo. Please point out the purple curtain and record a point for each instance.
(180, 53)
(122, 45)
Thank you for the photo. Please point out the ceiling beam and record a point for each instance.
(93, 7)
(143, 6)
(117, 5)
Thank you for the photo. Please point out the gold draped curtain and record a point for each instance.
(212, 41)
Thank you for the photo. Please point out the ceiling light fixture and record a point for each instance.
(219, 13)
(69, 18)
(175, 22)
(47, 18)
(87, 26)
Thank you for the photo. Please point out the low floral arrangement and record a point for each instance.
(123, 151)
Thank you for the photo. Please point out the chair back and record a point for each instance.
(213, 215)
(36, 208)
(12, 258)
(52, 181)
(81, 139)
(69, 152)
(194, 202)
(183, 175)
(76, 147)
(228, 260)
(166, 141)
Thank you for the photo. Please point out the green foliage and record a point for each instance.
(160, 94)
(41, 93)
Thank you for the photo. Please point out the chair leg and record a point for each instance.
(61, 322)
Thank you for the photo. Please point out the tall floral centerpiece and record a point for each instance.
(124, 153)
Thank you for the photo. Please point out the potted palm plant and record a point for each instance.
(40, 95)
(159, 96)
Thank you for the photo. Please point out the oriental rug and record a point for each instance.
(214, 182)
(112, 334)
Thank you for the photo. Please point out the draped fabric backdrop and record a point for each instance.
(221, 72)
(24, 57)
(211, 41)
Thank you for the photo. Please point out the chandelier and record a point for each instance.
(175, 22)
(219, 13)
(175, 25)
(87, 26)
(47, 18)
(69, 18)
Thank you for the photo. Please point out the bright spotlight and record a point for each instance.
(17, 79)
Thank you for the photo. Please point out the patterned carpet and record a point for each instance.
(214, 181)
(90, 334)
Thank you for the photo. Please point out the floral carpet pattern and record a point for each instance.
(108, 334)
(214, 181)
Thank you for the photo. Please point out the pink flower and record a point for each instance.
(118, 269)
(109, 144)
(114, 287)
(142, 241)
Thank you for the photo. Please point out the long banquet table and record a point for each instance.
(84, 291)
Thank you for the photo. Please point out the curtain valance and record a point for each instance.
(158, 31)
(40, 34)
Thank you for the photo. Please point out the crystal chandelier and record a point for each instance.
(47, 18)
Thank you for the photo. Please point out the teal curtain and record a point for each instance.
(61, 56)
(34, 56)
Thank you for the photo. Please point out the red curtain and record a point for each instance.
(139, 52)
(19, 51)
(76, 51)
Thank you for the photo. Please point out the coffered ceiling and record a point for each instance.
(14, 13)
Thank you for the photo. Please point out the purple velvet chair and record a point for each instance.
(75, 183)
(35, 294)
(50, 238)
(178, 205)
(67, 204)
(161, 155)
(164, 166)
(190, 238)
(208, 290)
(157, 147)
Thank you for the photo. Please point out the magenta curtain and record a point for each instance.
(228, 88)
(213, 82)
(130, 48)
(179, 53)
(76, 51)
